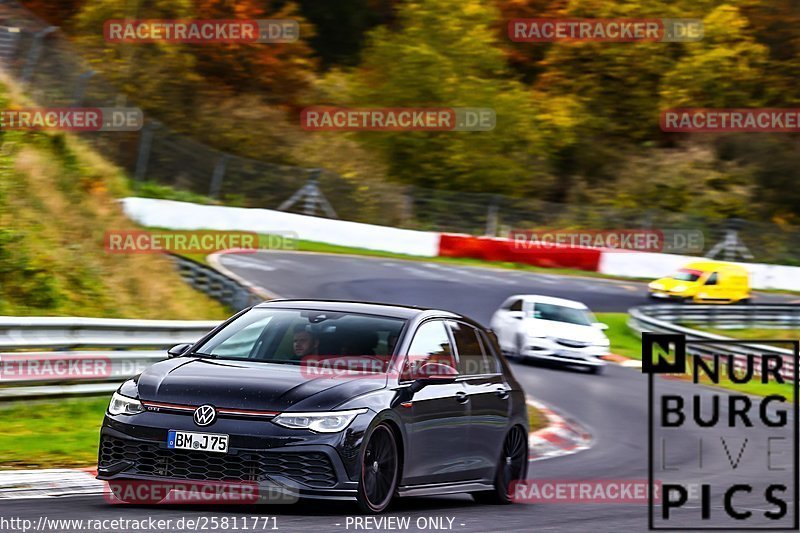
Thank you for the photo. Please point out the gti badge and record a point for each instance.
(205, 415)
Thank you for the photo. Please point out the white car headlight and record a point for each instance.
(122, 405)
(325, 422)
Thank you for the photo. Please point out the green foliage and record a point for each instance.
(576, 122)
(438, 59)
(728, 68)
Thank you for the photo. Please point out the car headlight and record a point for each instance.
(605, 343)
(326, 422)
(122, 405)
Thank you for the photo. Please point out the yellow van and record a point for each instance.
(705, 282)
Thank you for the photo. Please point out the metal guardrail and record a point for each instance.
(670, 319)
(115, 333)
(115, 352)
(215, 284)
(779, 316)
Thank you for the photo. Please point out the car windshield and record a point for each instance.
(687, 274)
(560, 313)
(299, 336)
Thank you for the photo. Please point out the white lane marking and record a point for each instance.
(20, 484)
(632, 363)
(238, 262)
(421, 272)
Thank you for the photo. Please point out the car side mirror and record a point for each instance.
(178, 350)
(519, 315)
(433, 374)
(600, 325)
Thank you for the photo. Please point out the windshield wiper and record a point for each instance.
(206, 355)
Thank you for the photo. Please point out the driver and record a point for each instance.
(305, 342)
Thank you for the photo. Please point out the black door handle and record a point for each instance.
(462, 397)
(502, 394)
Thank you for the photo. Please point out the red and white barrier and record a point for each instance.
(187, 216)
(506, 250)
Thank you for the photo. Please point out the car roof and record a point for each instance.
(716, 265)
(537, 298)
(367, 308)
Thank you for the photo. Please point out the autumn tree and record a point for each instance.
(445, 53)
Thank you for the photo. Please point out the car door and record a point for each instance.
(489, 398)
(437, 417)
(712, 288)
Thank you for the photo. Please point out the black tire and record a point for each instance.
(513, 466)
(380, 471)
(597, 369)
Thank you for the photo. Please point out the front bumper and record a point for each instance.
(550, 350)
(666, 295)
(286, 464)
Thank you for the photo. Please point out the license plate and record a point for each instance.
(202, 442)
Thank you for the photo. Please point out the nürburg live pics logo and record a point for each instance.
(722, 433)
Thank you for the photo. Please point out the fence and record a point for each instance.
(56, 75)
(668, 319)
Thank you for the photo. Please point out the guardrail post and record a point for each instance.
(145, 141)
(35, 52)
(218, 176)
(492, 216)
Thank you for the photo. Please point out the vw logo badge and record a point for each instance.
(205, 415)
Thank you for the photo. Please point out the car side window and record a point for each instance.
(712, 279)
(491, 356)
(471, 357)
(430, 344)
(516, 306)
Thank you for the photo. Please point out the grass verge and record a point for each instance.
(51, 433)
(751, 333)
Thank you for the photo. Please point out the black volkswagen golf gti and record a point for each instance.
(326, 399)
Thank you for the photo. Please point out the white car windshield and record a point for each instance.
(560, 313)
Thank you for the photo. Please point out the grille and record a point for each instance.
(573, 344)
(311, 468)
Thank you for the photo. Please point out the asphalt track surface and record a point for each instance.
(613, 405)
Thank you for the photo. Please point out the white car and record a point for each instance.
(540, 327)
